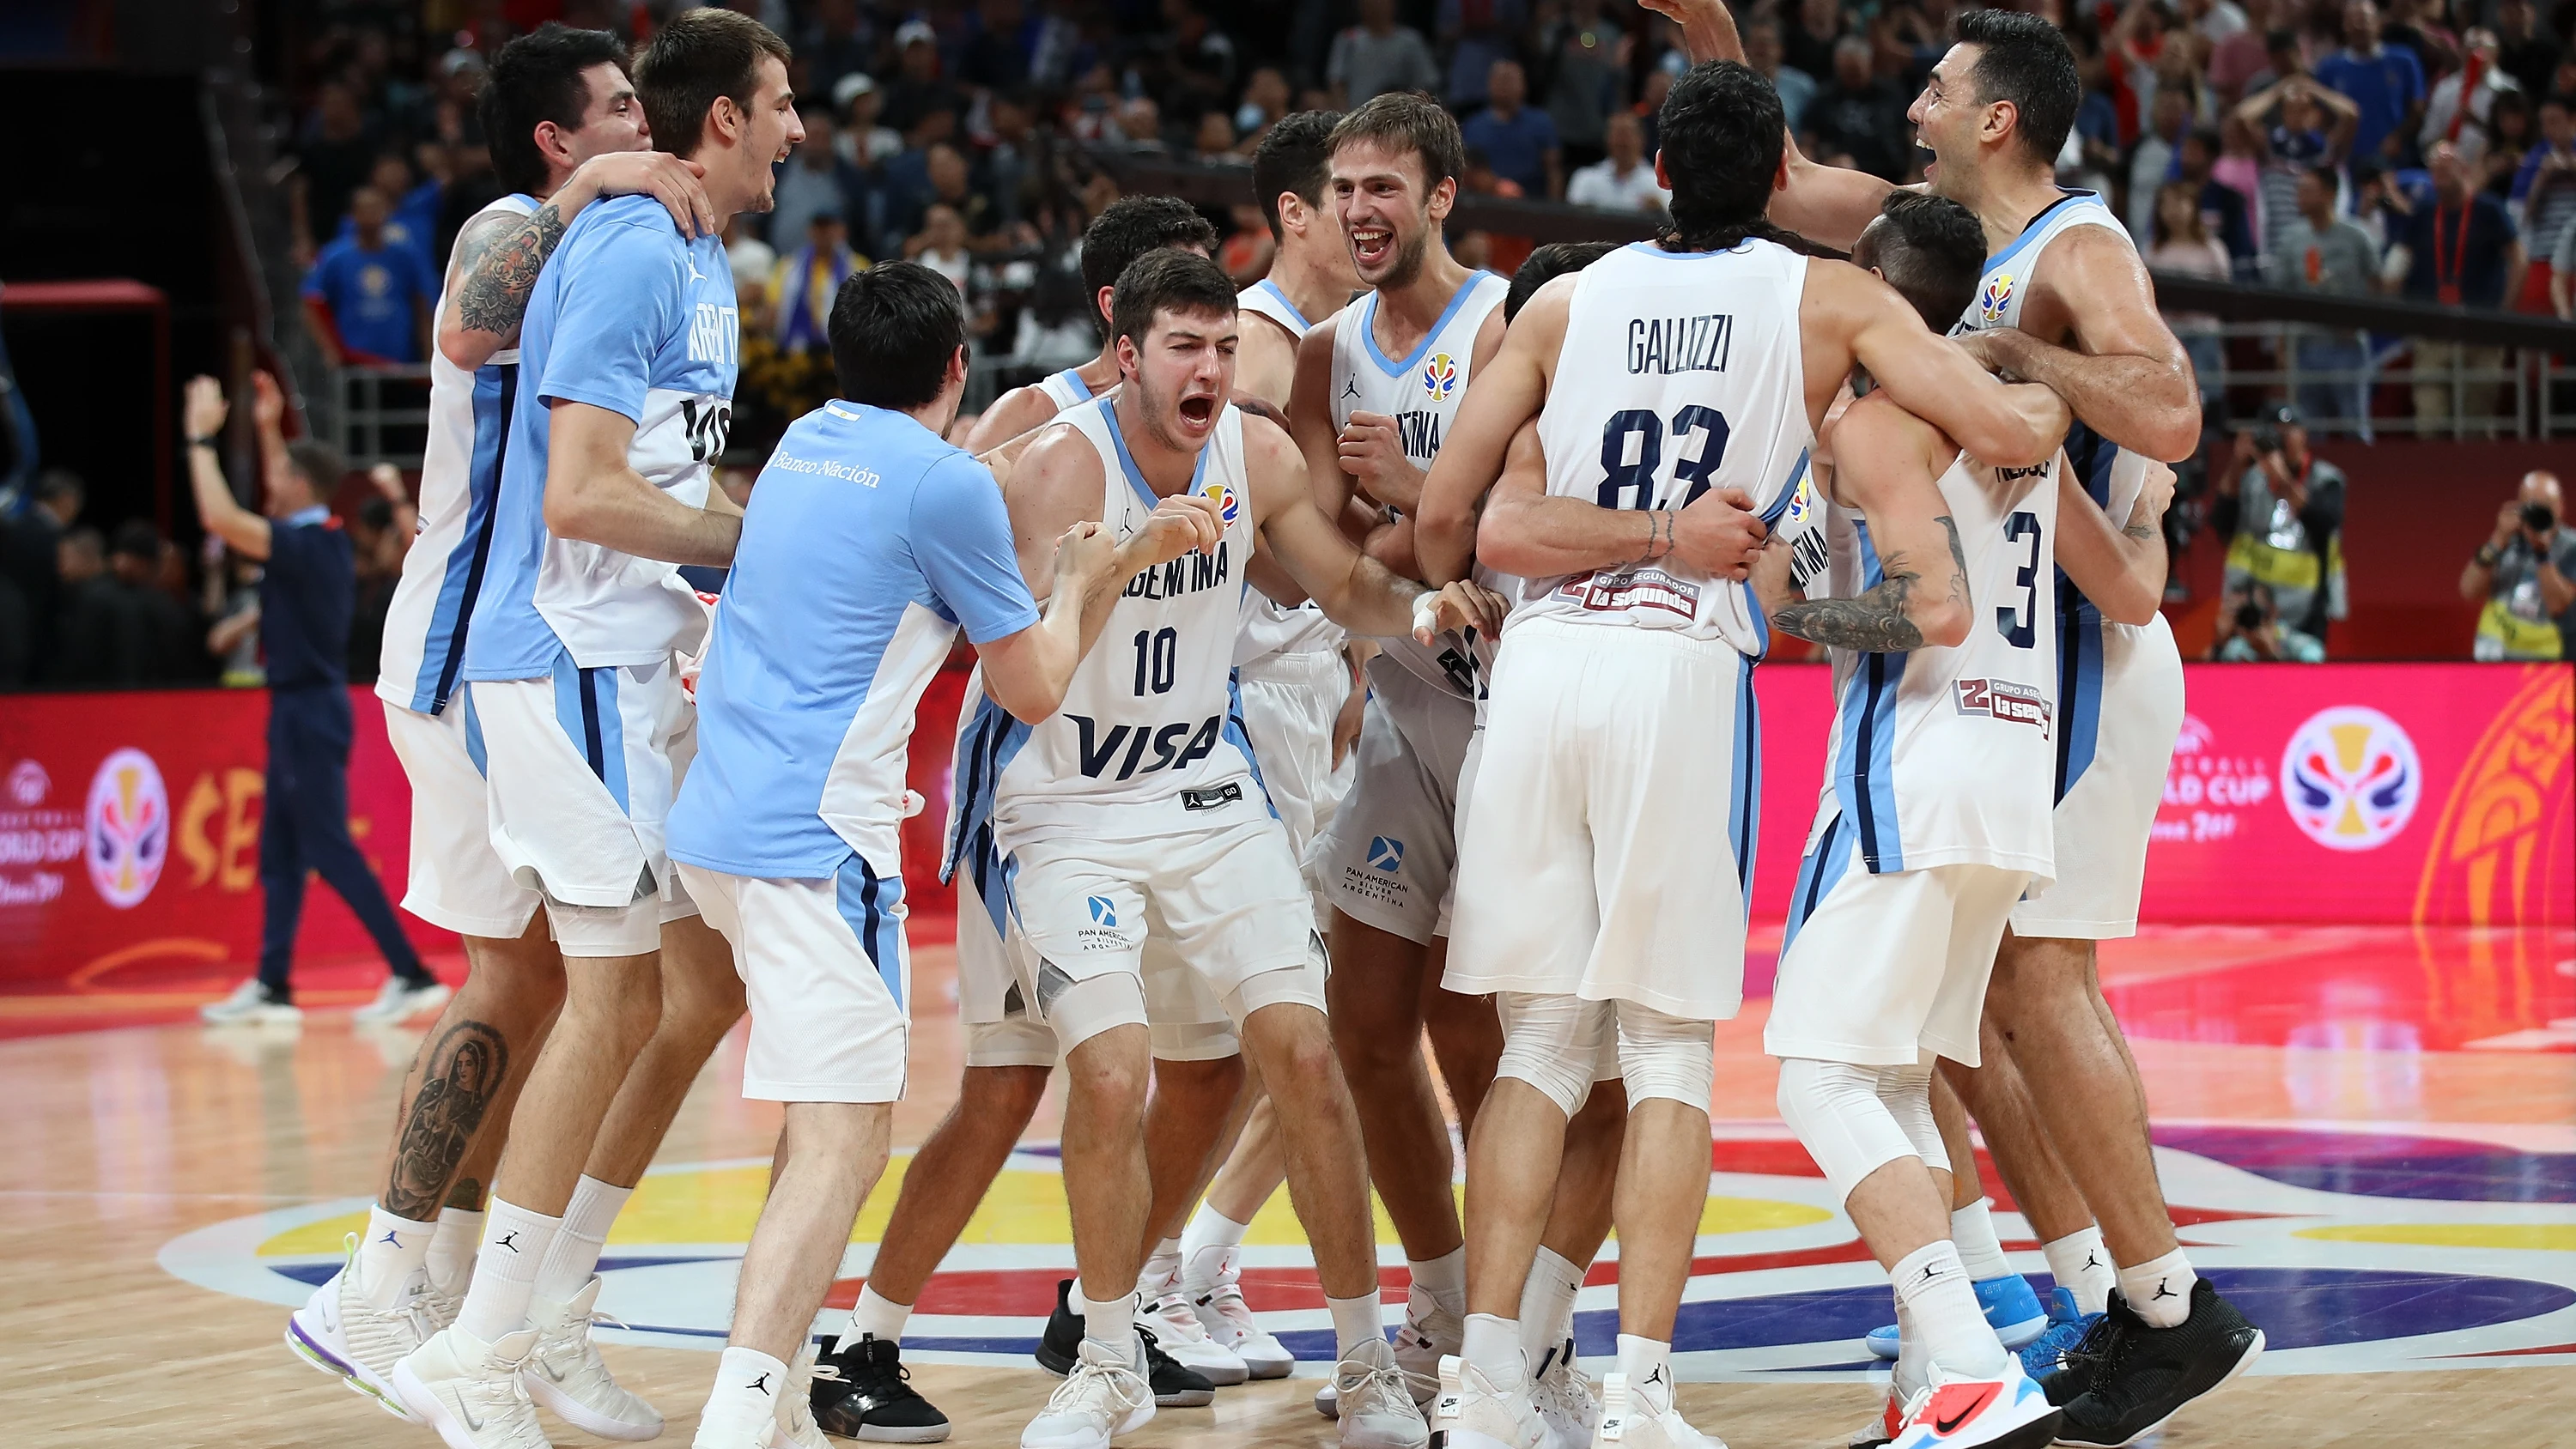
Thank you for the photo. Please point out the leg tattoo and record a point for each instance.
(465, 1070)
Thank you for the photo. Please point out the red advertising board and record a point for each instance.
(2437, 794)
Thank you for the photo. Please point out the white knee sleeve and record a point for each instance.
(1551, 1043)
(1835, 1109)
(1907, 1091)
(1666, 1056)
(1087, 1008)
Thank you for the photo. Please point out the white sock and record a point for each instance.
(1648, 1363)
(515, 1241)
(1972, 1229)
(1356, 1321)
(391, 1249)
(574, 1255)
(1162, 1268)
(1493, 1345)
(1206, 1243)
(2082, 1266)
(1933, 1283)
(1908, 1375)
(2159, 1290)
(451, 1249)
(1444, 1278)
(748, 1383)
(1547, 1304)
(1110, 1323)
(874, 1316)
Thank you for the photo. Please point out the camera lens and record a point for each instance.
(2249, 617)
(2538, 518)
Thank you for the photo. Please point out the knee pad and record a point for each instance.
(1907, 1091)
(1551, 1042)
(1835, 1109)
(1089, 1007)
(1666, 1056)
(1299, 985)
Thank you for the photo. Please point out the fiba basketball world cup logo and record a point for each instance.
(2350, 778)
(1993, 301)
(1440, 377)
(128, 828)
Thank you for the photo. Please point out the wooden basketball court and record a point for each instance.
(2368, 1135)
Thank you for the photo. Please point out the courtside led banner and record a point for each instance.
(2436, 794)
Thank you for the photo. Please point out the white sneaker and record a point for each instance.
(1430, 1332)
(1229, 1323)
(469, 1390)
(250, 1005)
(1491, 1415)
(1643, 1416)
(1565, 1401)
(1102, 1398)
(1375, 1401)
(400, 1001)
(340, 1331)
(796, 1427)
(1170, 1317)
(567, 1375)
(438, 1307)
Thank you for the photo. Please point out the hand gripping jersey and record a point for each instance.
(460, 477)
(1680, 372)
(1422, 393)
(2112, 476)
(1269, 627)
(1148, 742)
(1945, 756)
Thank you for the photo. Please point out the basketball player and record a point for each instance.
(567, 129)
(1378, 385)
(1124, 230)
(1138, 809)
(628, 352)
(1599, 892)
(843, 601)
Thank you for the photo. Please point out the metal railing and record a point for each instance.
(381, 414)
(2352, 383)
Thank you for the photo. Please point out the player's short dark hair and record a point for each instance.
(1408, 121)
(1720, 136)
(695, 58)
(894, 329)
(1166, 280)
(1295, 154)
(1930, 249)
(1546, 264)
(535, 79)
(2025, 60)
(322, 465)
(1130, 227)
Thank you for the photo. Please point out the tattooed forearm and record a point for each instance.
(495, 293)
(2142, 524)
(460, 1075)
(1958, 563)
(1873, 623)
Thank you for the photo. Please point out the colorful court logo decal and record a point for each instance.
(129, 828)
(2355, 1251)
(2350, 778)
(1440, 377)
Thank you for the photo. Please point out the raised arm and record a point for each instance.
(1708, 28)
(1889, 470)
(2127, 376)
(2122, 570)
(1928, 376)
(243, 531)
(497, 259)
(594, 494)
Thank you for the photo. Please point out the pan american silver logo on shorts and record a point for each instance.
(1385, 855)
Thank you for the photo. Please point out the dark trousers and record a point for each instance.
(306, 827)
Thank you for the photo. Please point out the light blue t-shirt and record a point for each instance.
(631, 317)
(867, 543)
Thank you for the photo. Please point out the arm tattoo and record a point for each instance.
(1958, 563)
(498, 280)
(1873, 623)
(460, 1076)
(2139, 526)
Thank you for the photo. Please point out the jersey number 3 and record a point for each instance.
(1632, 485)
(2017, 622)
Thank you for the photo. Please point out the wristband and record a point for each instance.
(1426, 609)
(203, 442)
(2489, 555)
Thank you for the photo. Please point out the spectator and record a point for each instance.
(2295, 126)
(2406, 27)
(751, 261)
(232, 601)
(905, 180)
(1520, 143)
(2528, 53)
(2525, 575)
(2544, 185)
(1376, 56)
(2459, 250)
(861, 141)
(2282, 510)
(2169, 114)
(816, 178)
(996, 55)
(1139, 124)
(917, 89)
(2384, 83)
(1810, 41)
(368, 297)
(2215, 20)
(1248, 248)
(1579, 56)
(2314, 250)
(1201, 62)
(2562, 275)
(1215, 138)
(951, 185)
(1860, 115)
(2224, 208)
(332, 161)
(1476, 33)
(1625, 181)
(1762, 52)
(832, 47)
(413, 220)
(807, 279)
(100, 635)
(33, 561)
(2250, 630)
(1015, 149)
(379, 535)
(2466, 95)
(1265, 100)
(170, 637)
(2182, 244)
(941, 246)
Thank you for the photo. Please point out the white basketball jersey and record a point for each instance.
(1067, 388)
(1422, 393)
(1680, 372)
(1150, 738)
(469, 431)
(1945, 756)
(2110, 475)
(1269, 627)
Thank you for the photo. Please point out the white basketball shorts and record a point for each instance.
(457, 881)
(1390, 855)
(1184, 1021)
(1879, 970)
(1289, 704)
(2105, 818)
(828, 975)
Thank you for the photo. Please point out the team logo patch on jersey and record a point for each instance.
(1996, 297)
(2002, 699)
(2350, 778)
(1229, 504)
(1440, 377)
(1385, 854)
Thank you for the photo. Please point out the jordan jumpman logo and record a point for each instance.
(505, 1240)
(2092, 1259)
(762, 1383)
(390, 1238)
(2164, 1289)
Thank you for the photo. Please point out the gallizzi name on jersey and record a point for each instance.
(1188, 574)
(1667, 345)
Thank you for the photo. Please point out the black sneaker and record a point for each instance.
(864, 1392)
(2149, 1373)
(2083, 1364)
(1176, 1385)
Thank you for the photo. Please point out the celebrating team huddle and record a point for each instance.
(1535, 535)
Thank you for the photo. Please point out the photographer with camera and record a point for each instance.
(2283, 509)
(2250, 631)
(2526, 574)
